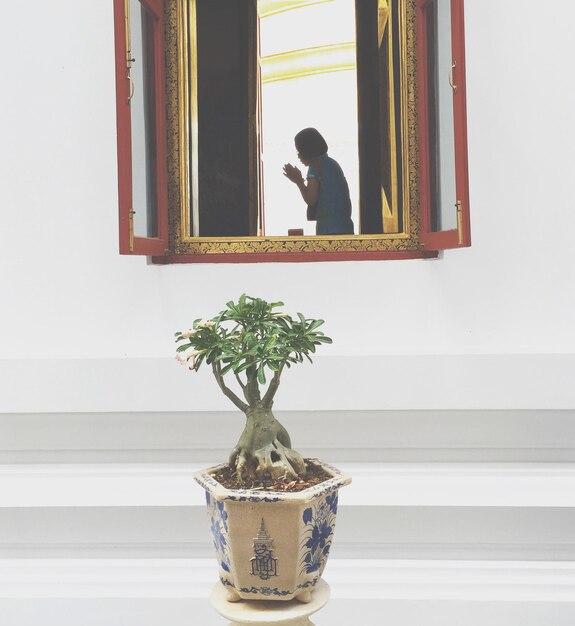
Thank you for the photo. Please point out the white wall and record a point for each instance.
(70, 298)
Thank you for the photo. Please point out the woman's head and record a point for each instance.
(309, 145)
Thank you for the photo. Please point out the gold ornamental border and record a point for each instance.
(182, 180)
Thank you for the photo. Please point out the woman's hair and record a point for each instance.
(310, 144)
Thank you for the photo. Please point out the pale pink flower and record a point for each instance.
(186, 334)
(192, 357)
(185, 355)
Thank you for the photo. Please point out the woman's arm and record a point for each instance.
(310, 191)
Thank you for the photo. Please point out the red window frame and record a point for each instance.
(130, 244)
(460, 237)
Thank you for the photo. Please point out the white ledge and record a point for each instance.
(333, 383)
(206, 437)
(349, 579)
(462, 485)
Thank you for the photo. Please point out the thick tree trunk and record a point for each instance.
(264, 448)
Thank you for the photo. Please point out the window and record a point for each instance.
(140, 105)
(444, 187)
(196, 83)
(308, 78)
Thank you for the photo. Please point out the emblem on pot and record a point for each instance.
(263, 563)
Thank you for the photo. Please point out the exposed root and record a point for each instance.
(264, 450)
(274, 460)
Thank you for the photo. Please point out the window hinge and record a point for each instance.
(459, 208)
(132, 213)
(453, 85)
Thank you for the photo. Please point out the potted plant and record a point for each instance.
(272, 513)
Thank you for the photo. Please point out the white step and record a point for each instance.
(338, 612)
(424, 511)
(446, 485)
(424, 436)
(416, 545)
(362, 532)
(349, 579)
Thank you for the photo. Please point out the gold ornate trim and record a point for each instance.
(373, 243)
(181, 183)
(409, 111)
(177, 180)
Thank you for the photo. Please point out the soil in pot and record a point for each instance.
(315, 475)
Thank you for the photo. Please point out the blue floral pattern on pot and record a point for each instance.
(219, 526)
(319, 523)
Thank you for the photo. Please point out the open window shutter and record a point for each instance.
(444, 182)
(226, 103)
(261, 225)
(255, 137)
(368, 109)
(140, 107)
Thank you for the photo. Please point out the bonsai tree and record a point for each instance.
(251, 342)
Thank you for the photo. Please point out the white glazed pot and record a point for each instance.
(269, 545)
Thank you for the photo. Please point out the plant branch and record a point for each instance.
(273, 387)
(245, 388)
(252, 392)
(227, 392)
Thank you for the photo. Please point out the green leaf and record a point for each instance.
(226, 369)
(315, 324)
(324, 339)
(243, 366)
(251, 335)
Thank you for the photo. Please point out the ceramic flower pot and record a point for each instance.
(269, 545)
